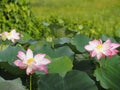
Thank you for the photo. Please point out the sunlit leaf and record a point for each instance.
(60, 65)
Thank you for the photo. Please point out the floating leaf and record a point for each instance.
(80, 41)
(9, 54)
(38, 44)
(54, 53)
(62, 40)
(60, 65)
(50, 82)
(74, 80)
(7, 57)
(108, 73)
(15, 84)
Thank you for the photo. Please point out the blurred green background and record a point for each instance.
(103, 14)
(76, 8)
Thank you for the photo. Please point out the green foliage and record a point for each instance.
(89, 17)
(117, 33)
(64, 58)
(65, 65)
(104, 38)
(74, 80)
(16, 14)
(15, 84)
(62, 39)
(7, 57)
(9, 54)
(25, 38)
(50, 82)
(108, 73)
(80, 41)
(54, 53)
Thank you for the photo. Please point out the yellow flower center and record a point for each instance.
(29, 61)
(9, 34)
(99, 46)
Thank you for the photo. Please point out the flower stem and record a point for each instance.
(30, 81)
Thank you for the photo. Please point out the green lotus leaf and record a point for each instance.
(57, 52)
(79, 41)
(74, 80)
(60, 65)
(15, 84)
(62, 40)
(108, 73)
(9, 54)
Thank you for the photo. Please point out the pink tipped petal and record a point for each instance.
(92, 45)
(93, 53)
(100, 41)
(29, 54)
(107, 52)
(40, 60)
(95, 42)
(45, 61)
(99, 56)
(114, 52)
(108, 41)
(29, 71)
(34, 67)
(39, 57)
(21, 55)
(43, 68)
(115, 45)
(89, 47)
(20, 64)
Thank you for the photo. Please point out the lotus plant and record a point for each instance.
(99, 49)
(12, 35)
(32, 63)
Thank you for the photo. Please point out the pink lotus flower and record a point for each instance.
(99, 49)
(13, 35)
(38, 62)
